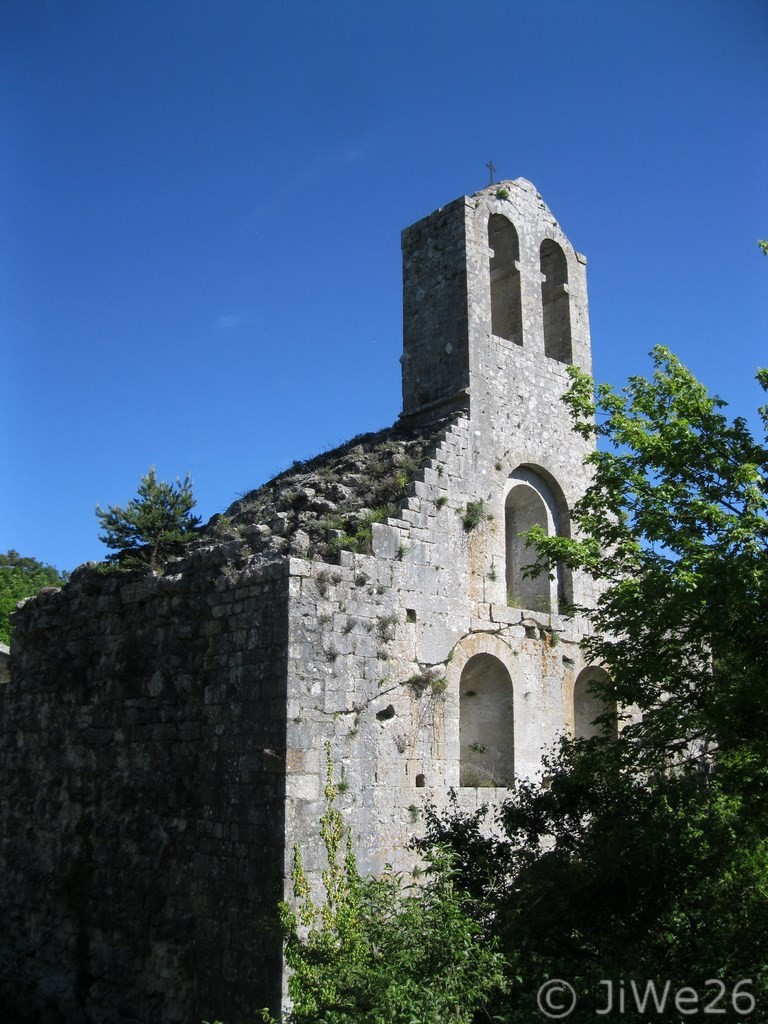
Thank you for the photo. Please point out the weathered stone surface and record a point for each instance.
(124, 758)
(163, 738)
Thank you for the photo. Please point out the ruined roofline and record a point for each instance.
(325, 504)
(315, 508)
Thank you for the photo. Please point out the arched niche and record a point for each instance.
(506, 307)
(486, 723)
(531, 500)
(589, 705)
(555, 302)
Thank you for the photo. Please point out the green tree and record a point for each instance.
(22, 577)
(646, 858)
(674, 528)
(153, 525)
(379, 952)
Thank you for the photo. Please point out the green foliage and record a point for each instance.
(472, 514)
(763, 243)
(22, 577)
(675, 530)
(629, 879)
(377, 951)
(386, 627)
(153, 525)
(647, 857)
(359, 536)
(427, 680)
(401, 481)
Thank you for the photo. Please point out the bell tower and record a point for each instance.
(495, 314)
(493, 292)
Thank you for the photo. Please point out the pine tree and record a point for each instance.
(154, 525)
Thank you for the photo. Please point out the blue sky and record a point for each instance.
(201, 204)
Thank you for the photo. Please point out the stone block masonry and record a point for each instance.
(142, 757)
(162, 737)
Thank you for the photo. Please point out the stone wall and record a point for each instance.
(142, 756)
(377, 653)
(435, 311)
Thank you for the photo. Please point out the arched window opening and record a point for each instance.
(534, 498)
(555, 302)
(589, 705)
(506, 308)
(486, 723)
(523, 509)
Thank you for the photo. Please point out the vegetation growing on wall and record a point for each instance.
(331, 502)
(472, 514)
(356, 533)
(378, 950)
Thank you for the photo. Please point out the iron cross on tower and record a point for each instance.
(491, 170)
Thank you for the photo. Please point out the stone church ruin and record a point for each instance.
(163, 735)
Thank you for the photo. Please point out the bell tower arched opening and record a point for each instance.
(555, 302)
(506, 306)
